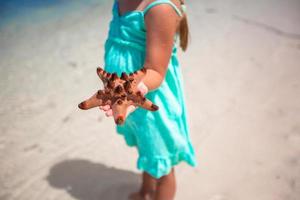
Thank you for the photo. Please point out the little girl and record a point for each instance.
(144, 33)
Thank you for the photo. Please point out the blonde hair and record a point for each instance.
(183, 29)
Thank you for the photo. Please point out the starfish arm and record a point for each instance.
(148, 105)
(103, 75)
(138, 75)
(98, 99)
(138, 99)
(119, 109)
(124, 76)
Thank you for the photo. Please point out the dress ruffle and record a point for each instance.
(161, 166)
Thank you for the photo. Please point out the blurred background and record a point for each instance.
(242, 85)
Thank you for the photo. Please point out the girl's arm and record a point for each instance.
(161, 23)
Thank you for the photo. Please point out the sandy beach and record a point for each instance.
(242, 86)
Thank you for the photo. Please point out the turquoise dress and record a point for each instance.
(161, 137)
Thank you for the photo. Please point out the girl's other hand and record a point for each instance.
(108, 111)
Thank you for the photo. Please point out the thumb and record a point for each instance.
(142, 87)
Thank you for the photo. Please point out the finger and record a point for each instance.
(142, 87)
(106, 107)
(109, 113)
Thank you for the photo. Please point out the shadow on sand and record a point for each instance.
(85, 180)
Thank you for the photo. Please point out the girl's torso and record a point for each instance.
(129, 30)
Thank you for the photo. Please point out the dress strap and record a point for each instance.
(157, 2)
(114, 8)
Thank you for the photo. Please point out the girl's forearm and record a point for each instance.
(152, 79)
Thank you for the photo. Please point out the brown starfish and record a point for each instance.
(119, 93)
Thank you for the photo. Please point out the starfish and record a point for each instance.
(119, 93)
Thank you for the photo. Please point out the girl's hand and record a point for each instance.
(108, 111)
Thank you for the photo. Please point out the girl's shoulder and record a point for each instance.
(165, 6)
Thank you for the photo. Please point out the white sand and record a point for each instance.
(242, 80)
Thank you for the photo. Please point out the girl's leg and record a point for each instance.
(147, 189)
(148, 185)
(166, 187)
